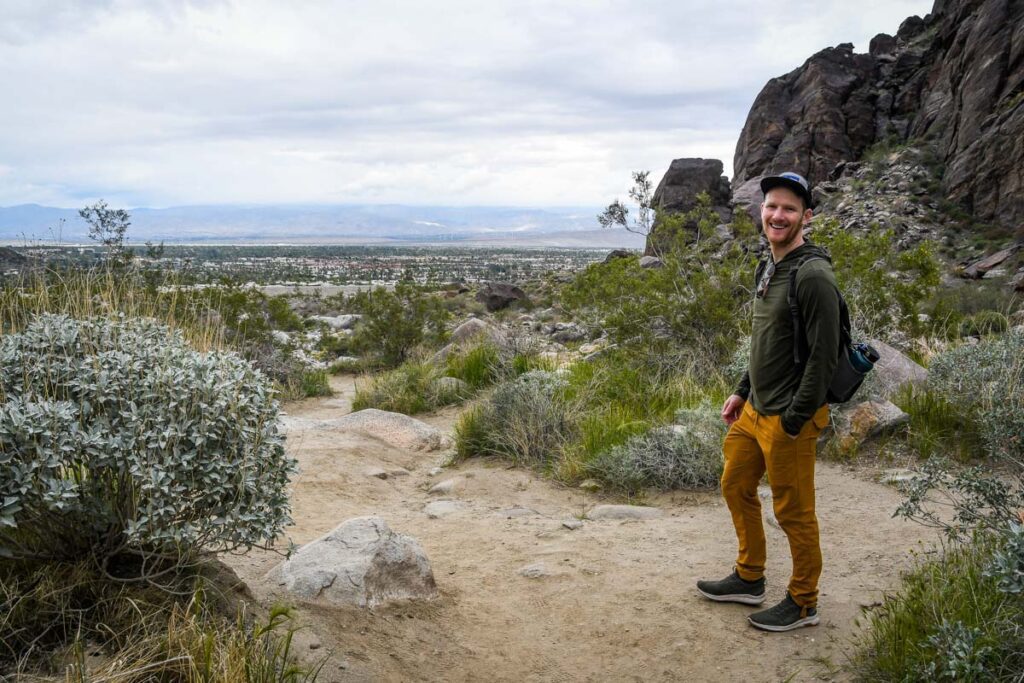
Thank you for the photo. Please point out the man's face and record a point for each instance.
(783, 217)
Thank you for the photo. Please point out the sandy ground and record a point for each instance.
(618, 602)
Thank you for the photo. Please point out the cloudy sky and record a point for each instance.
(486, 102)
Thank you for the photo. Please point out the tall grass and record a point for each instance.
(937, 426)
(55, 613)
(949, 622)
(413, 387)
(106, 292)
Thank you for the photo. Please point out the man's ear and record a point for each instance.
(808, 215)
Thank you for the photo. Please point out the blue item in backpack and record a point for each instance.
(861, 357)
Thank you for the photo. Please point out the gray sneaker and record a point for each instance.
(785, 616)
(733, 589)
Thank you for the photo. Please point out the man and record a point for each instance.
(778, 411)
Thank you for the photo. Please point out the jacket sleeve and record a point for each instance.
(743, 389)
(818, 299)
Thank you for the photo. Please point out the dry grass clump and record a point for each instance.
(66, 619)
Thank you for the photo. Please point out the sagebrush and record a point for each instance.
(119, 439)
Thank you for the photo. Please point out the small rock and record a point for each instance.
(624, 512)
(443, 487)
(534, 571)
(517, 511)
(898, 476)
(451, 386)
(572, 524)
(398, 472)
(376, 472)
(442, 508)
(590, 485)
(434, 471)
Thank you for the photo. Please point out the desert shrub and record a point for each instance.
(984, 323)
(313, 383)
(119, 439)
(496, 359)
(396, 322)
(280, 315)
(413, 387)
(683, 456)
(957, 617)
(986, 381)
(526, 420)
(478, 366)
(938, 426)
(691, 312)
(951, 620)
(884, 287)
(950, 306)
(615, 397)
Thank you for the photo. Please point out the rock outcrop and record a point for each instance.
(677, 193)
(395, 429)
(954, 78)
(498, 295)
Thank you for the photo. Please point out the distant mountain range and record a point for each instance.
(308, 224)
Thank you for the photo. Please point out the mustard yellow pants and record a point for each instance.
(755, 444)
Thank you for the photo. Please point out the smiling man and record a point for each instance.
(779, 409)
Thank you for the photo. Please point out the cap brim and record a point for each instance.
(771, 182)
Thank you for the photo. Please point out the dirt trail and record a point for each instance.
(617, 603)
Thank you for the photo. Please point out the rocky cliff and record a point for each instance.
(954, 79)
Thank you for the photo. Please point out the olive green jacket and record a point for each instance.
(773, 383)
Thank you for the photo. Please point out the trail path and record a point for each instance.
(616, 601)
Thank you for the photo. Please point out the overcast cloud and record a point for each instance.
(516, 102)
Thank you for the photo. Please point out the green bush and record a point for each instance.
(314, 383)
(884, 287)
(413, 387)
(526, 420)
(394, 323)
(689, 313)
(685, 456)
(984, 323)
(478, 366)
(950, 621)
(986, 381)
(118, 438)
(937, 426)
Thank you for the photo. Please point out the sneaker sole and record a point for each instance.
(806, 621)
(742, 598)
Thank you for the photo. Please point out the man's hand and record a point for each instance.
(732, 407)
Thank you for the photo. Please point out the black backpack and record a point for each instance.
(855, 360)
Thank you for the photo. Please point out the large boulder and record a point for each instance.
(470, 329)
(362, 562)
(856, 423)
(952, 78)
(677, 193)
(498, 295)
(395, 429)
(893, 370)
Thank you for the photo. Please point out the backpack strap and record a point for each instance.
(800, 348)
